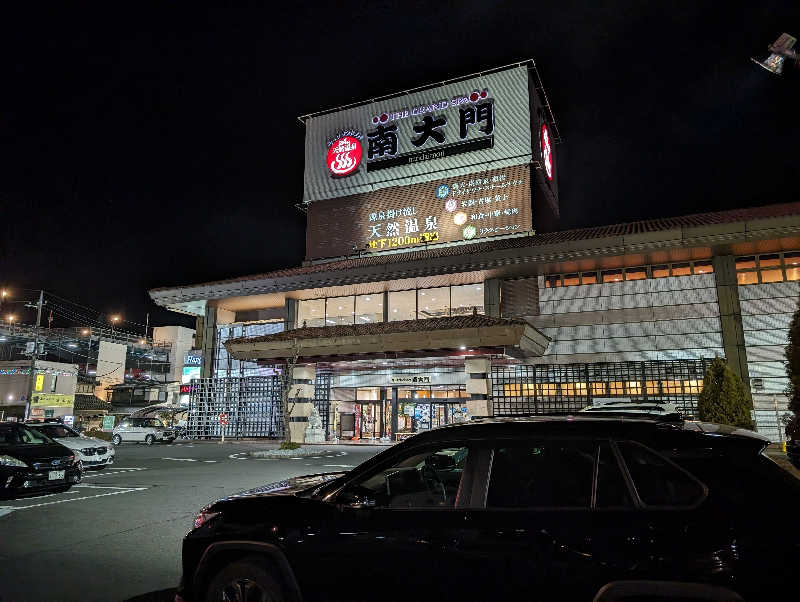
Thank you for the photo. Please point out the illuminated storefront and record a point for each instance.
(433, 252)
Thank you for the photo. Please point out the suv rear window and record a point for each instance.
(658, 482)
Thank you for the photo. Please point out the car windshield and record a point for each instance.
(17, 434)
(56, 431)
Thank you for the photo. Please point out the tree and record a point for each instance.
(723, 399)
(793, 374)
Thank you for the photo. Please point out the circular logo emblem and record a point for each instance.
(547, 152)
(469, 232)
(451, 205)
(344, 155)
(442, 191)
(460, 218)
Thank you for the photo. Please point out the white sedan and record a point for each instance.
(93, 453)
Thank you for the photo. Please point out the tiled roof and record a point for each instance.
(551, 238)
(90, 402)
(376, 328)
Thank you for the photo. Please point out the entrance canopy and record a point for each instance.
(454, 334)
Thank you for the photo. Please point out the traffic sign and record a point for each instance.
(223, 419)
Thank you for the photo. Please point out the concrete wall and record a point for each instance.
(182, 341)
(766, 312)
(110, 366)
(651, 319)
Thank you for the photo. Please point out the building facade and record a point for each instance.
(437, 286)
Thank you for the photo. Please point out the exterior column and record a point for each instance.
(394, 413)
(730, 318)
(209, 343)
(301, 401)
(491, 297)
(290, 321)
(479, 387)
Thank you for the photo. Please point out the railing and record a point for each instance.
(27, 331)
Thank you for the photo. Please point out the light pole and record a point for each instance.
(114, 320)
(28, 401)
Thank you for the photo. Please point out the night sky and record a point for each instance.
(155, 146)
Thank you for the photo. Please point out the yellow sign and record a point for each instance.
(39, 382)
(53, 400)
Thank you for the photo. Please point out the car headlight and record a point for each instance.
(203, 517)
(10, 461)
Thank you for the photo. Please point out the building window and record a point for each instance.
(546, 389)
(311, 313)
(433, 302)
(681, 269)
(466, 299)
(703, 267)
(589, 278)
(571, 280)
(769, 261)
(634, 388)
(745, 263)
(369, 308)
(616, 388)
(635, 273)
(573, 389)
(791, 259)
(672, 387)
(747, 277)
(772, 275)
(692, 386)
(552, 281)
(792, 273)
(611, 276)
(339, 310)
(652, 388)
(598, 389)
(402, 305)
(660, 271)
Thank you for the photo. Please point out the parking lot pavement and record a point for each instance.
(117, 535)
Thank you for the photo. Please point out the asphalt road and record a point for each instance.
(117, 535)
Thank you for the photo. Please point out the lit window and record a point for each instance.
(672, 387)
(573, 389)
(791, 259)
(660, 271)
(548, 389)
(651, 386)
(703, 267)
(769, 261)
(611, 276)
(692, 386)
(635, 274)
(339, 310)
(598, 389)
(369, 308)
(552, 281)
(433, 303)
(616, 388)
(634, 387)
(528, 390)
(589, 278)
(745, 263)
(311, 312)
(511, 390)
(571, 280)
(792, 273)
(466, 299)
(402, 305)
(772, 275)
(747, 277)
(681, 269)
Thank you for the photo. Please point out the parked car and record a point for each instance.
(652, 408)
(31, 462)
(94, 454)
(148, 430)
(510, 509)
(793, 452)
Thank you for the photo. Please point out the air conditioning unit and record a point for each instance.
(757, 384)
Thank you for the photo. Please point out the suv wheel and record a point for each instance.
(244, 580)
(116, 439)
(149, 439)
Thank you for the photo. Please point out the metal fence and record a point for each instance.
(527, 389)
(252, 403)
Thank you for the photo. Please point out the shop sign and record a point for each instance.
(410, 380)
(69, 420)
(108, 424)
(186, 389)
(191, 359)
(53, 400)
(547, 151)
(449, 127)
(37, 412)
(39, 382)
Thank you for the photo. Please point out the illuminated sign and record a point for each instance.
(192, 360)
(344, 156)
(449, 130)
(186, 389)
(410, 380)
(39, 382)
(190, 372)
(547, 152)
(53, 400)
(490, 203)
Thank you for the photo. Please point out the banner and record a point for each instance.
(53, 400)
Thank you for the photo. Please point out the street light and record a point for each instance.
(114, 320)
(11, 318)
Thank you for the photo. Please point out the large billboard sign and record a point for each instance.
(445, 131)
(458, 208)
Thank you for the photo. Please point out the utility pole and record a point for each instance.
(29, 400)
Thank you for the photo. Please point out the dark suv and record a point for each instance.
(516, 509)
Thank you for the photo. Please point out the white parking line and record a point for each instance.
(181, 459)
(77, 499)
(210, 461)
(82, 486)
(103, 473)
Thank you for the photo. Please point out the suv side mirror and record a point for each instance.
(440, 462)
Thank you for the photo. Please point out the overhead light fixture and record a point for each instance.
(779, 52)
(463, 347)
